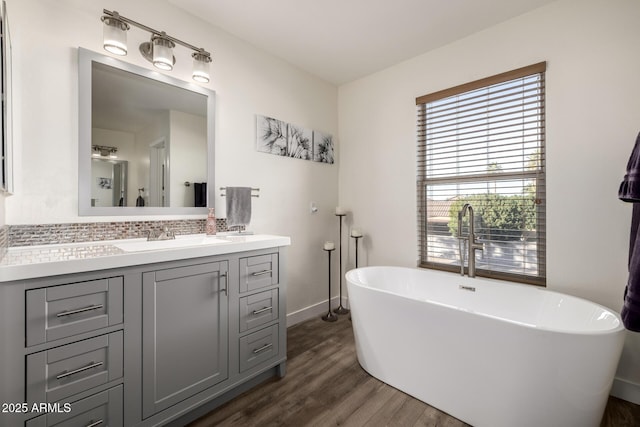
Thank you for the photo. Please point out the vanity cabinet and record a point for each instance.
(209, 327)
(149, 344)
(184, 332)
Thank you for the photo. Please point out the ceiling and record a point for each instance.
(343, 40)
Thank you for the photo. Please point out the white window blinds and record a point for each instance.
(483, 143)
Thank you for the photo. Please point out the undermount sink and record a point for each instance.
(178, 242)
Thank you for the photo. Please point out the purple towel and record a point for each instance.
(630, 192)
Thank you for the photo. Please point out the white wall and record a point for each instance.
(247, 81)
(593, 111)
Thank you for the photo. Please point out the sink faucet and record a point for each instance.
(165, 234)
(471, 238)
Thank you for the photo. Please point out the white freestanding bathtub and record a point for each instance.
(489, 353)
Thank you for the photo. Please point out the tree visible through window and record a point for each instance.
(483, 143)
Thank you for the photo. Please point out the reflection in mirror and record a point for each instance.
(108, 182)
(146, 141)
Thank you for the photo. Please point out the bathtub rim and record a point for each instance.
(620, 327)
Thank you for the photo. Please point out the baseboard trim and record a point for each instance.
(626, 390)
(313, 310)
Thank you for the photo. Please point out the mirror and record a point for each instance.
(146, 141)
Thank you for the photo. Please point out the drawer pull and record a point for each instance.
(77, 371)
(262, 310)
(263, 348)
(261, 273)
(94, 424)
(80, 310)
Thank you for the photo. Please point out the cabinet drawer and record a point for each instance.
(102, 409)
(62, 311)
(63, 371)
(258, 347)
(258, 271)
(258, 309)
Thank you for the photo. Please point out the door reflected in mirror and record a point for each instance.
(108, 182)
(148, 141)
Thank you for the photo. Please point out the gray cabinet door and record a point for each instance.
(184, 333)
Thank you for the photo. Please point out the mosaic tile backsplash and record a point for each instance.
(4, 240)
(51, 253)
(46, 234)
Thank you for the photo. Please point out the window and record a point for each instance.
(483, 143)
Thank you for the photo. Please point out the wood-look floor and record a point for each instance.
(325, 386)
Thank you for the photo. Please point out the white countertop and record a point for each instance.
(29, 262)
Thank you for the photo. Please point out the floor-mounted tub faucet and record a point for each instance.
(471, 238)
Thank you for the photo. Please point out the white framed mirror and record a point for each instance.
(146, 141)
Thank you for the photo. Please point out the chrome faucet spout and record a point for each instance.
(461, 213)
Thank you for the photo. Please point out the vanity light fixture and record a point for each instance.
(163, 52)
(201, 62)
(104, 151)
(115, 34)
(158, 51)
